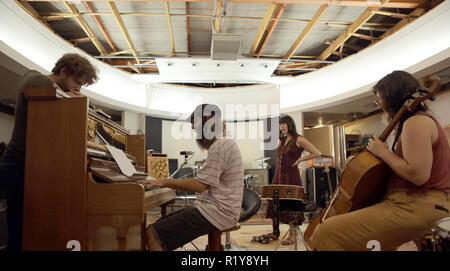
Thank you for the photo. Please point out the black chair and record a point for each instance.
(250, 205)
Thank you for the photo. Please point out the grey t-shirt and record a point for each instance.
(31, 79)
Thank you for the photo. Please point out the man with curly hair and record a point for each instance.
(70, 73)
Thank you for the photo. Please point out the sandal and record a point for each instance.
(261, 239)
(270, 235)
(287, 242)
(265, 238)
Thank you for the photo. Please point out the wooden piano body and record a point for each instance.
(62, 199)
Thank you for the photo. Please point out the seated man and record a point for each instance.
(70, 73)
(220, 184)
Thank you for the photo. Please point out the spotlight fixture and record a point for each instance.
(195, 64)
(170, 63)
(265, 66)
(218, 65)
(242, 65)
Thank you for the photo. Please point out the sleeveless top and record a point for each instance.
(287, 154)
(440, 170)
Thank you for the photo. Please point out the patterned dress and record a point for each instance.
(285, 173)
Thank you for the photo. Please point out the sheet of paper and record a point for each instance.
(121, 159)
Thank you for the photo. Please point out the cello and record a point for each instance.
(365, 177)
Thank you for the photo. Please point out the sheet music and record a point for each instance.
(121, 159)
(62, 94)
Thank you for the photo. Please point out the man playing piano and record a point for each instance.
(219, 184)
(69, 74)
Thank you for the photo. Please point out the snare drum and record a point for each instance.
(441, 234)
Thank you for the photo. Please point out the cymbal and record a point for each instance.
(262, 159)
(250, 176)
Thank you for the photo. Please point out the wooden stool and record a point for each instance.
(215, 238)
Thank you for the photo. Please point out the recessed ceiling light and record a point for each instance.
(195, 64)
(218, 65)
(242, 65)
(265, 66)
(170, 63)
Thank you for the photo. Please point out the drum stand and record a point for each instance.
(296, 226)
(297, 232)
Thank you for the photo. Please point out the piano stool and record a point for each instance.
(215, 238)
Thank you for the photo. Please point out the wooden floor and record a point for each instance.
(243, 237)
(257, 225)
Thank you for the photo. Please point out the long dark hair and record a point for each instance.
(292, 129)
(394, 89)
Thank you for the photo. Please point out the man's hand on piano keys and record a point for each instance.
(154, 183)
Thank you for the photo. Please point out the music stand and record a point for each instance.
(186, 160)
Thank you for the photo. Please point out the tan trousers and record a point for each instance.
(399, 218)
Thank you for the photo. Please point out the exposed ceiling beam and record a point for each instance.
(270, 30)
(188, 27)
(359, 3)
(390, 14)
(262, 28)
(219, 7)
(350, 46)
(298, 65)
(365, 37)
(34, 13)
(119, 53)
(123, 29)
(71, 7)
(411, 17)
(305, 31)
(130, 64)
(169, 23)
(99, 22)
(81, 40)
(362, 19)
(58, 15)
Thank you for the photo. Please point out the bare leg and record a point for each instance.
(152, 240)
(291, 237)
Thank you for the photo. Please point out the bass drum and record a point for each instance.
(441, 234)
(438, 239)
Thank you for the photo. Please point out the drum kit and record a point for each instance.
(439, 239)
(262, 163)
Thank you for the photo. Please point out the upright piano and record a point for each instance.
(72, 186)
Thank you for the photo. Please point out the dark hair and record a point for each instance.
(291, 126)
(210, 115)
(394, 89)
(78, 66)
